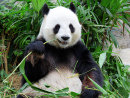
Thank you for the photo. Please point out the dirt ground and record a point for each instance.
(16, 81)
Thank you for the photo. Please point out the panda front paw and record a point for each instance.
(36, 47)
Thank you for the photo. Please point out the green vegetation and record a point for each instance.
(20, 21)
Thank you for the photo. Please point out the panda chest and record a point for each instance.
(61, 60)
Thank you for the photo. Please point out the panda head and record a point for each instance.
(62, 24)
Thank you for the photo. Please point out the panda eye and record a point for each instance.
(72, 29)
(56, 28)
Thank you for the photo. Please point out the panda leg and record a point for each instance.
(88, 90)
(21, 96)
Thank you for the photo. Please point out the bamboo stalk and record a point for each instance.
(2, 52)
(5, 54)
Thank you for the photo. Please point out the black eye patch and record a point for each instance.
(56, 28)
(72, 29)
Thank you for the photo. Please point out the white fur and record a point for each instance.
(63, 17)
(57, 80)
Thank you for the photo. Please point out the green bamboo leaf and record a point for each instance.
(98, 30)
(109, 13)
(49, 95)
(98, 87)
(23, 87)
(46, 85)
(123, 9)
(24, 39)
(118, 68)
(63, 90)
(95, 18)
(105, 3)
(22, 66)
(114, 40)
(109, 53)
(88, 2)
(73, 94)
(102, 59)
(37, 4)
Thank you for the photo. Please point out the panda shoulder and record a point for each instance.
(80, 46)
(81, 50)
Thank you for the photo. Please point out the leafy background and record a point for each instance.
(20, 22)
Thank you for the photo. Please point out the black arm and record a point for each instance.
(86, 67)
(36, 66)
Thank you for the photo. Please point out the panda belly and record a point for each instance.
(57, 79)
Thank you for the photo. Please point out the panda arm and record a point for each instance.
(36, 66)
(86, 67)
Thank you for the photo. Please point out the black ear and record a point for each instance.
(45, 9)
(72, 7)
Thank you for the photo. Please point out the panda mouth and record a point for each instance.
(63, 43)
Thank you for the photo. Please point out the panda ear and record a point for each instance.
(72, 7)
(45, 9)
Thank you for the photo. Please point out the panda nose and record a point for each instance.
(65, 37)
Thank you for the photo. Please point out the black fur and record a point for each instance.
(56, 28)
(85, 64)
(45, 9)
(72, 7)
(72, 29)
(21, 96)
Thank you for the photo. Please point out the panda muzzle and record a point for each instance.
(62, 42)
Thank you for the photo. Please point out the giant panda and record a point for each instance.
(64, 61)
